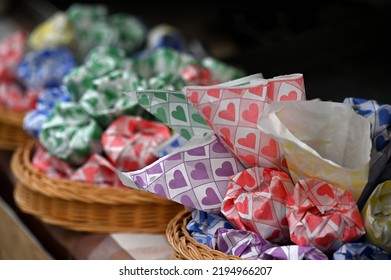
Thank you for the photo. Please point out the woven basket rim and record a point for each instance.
(72, 190)
(186, 246)
(12, 117)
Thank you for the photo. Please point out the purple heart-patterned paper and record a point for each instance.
(185, 176)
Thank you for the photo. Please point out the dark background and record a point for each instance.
(341, 47)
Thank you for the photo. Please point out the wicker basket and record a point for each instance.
(12, 134)
(86, 207)
(186, 247)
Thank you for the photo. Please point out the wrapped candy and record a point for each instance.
(165, 36)
(99, 171)
(99, 62)
(379, 115)
(173, 109)
(377, 218)
(50, 165)
(255, 201)
(56, 31)
(232, 110)
(203, 226)
(196, 175)
(340, 153)
(128, 142)
(71, 134)
(33, 121)
(13, 97)
(12, 50)
(45, 68)
(322, 216)
(293, 252)
(196, 75)
(241, 243)
(360, 251)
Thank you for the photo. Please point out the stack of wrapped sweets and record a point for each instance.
(271, 175)
(87, 128)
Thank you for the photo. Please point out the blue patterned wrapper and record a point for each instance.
(203, 226)
(379, 115)
(45, 68)
(174, 142)
(361, 251)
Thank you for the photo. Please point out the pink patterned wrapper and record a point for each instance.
(99, 171)
(196, 175)
(129, 141)
(240, 243)
(14, 98)
(255, 201)
(232, 110)
(50, 165)
(322, 216)
(12, 50)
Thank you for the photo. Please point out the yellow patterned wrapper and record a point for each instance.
(56, 31)
(377, 216)
(323, 140)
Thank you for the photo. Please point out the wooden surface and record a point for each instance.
(16, 241)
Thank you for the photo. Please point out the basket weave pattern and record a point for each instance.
(12, 134)
(86, 207)
(186, 247)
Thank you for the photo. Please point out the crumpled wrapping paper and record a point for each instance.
(241, 243)
(255, 201)
(12, 50)
(196, 75)
(98, 171)
(377, 218)
(221, 71)
(71, 134)
(14, 97)
(311, 134)
(360, 251)
(232, 110)
(196, 175)
(56, 31)
(173, 109)
(322, 216)
(293, 252)
(129, 140)
(93, 26)
(203, 226)
(379, 115)
(47, 99)
(50, 165)
(99, 62)
(46, 67)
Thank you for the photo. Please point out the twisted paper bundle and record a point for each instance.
(379, 115)
(12, 50)
(360, 251)
(293, 252)
(98, 171)
(71, 134)
(377, 218)
(56, 31)
(232, 110)
(203, 226)
(50, 165)
(241, 243)
(14, 97)
(255, 200)
(322, 216)
(128, 142)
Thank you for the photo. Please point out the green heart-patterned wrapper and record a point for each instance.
(71, 134)
(173, 109)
